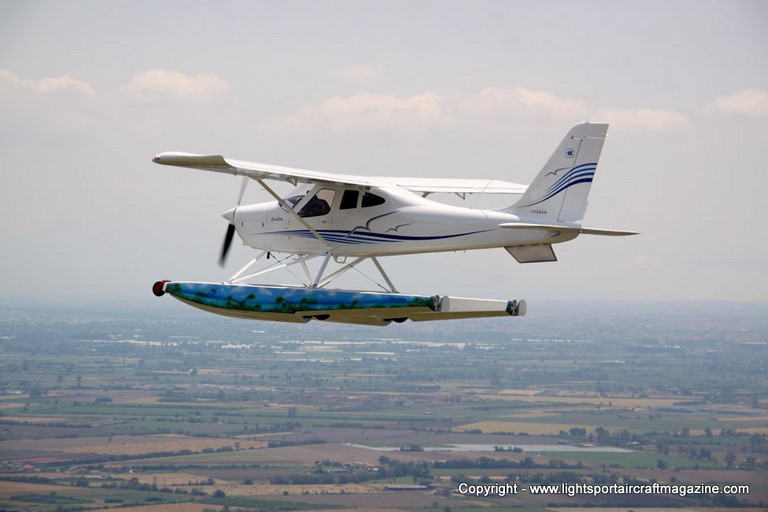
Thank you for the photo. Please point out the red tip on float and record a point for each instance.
(159, 288)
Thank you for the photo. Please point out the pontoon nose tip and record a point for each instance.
(230, 215)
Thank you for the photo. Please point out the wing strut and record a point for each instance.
(289, 209)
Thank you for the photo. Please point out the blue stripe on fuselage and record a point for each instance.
(352, 237)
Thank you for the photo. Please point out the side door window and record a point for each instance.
(320, 204)
(371, 200)
(349, 200)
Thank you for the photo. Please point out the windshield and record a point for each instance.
(320, 204)
(291, 201)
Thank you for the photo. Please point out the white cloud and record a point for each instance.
(369, 110)
(642, 119)
(430, 110)
(61, 105)
(505, 102)
(163, 85)
(751, 102)
(64, 82)
(362, 74)
(9, 80)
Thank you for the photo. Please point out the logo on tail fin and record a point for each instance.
(554, 173)
(579, 174)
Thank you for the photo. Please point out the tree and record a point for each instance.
(602, 433)
(578, 432)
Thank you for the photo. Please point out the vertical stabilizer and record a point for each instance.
(559, 193)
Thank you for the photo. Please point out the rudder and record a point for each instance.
(559, 192)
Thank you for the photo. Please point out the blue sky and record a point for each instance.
(90, 91)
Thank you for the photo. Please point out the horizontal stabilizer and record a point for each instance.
(607, 232)
(527, 226)
(567, 228)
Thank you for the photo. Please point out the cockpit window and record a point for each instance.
(320, 204)
(349, 200)
(371, 200)
(293, 200)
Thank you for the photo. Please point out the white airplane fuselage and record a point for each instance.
(341, 215)
(381, 221)
(346, 215)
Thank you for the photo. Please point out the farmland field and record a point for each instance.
(192, 412)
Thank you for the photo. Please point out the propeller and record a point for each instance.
(230, 234)
(230, 216)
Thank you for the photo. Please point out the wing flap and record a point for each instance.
(456, 185)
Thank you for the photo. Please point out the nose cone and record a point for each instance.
(230, 215)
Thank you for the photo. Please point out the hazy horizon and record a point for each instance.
(90, 91)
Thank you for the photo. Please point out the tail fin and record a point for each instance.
(559, 193)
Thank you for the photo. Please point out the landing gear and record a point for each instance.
(309, 280)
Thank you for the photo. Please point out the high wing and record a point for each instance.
(253, 170)
(258, 171)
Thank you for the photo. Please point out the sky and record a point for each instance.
(91, 90)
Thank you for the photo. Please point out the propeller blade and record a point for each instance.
(242, 189)
(230, 216)
(227, 244)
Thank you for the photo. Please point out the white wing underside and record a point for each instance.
(424, 186)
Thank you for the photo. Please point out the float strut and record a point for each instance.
(322, 269)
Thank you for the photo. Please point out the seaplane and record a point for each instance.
(344, 220)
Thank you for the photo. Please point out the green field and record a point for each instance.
(264, 420)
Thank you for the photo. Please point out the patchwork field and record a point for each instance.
(229, 418)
